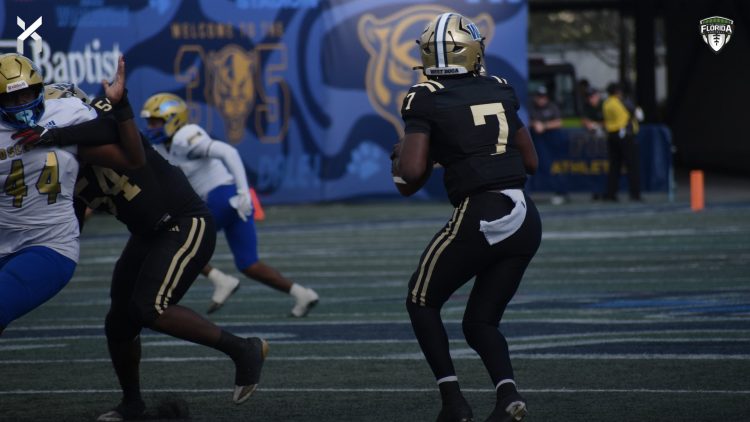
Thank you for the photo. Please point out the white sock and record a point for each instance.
(451, 378)
(297, 290)
(214, 275)
(505, 381)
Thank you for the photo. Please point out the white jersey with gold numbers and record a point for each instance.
(36, 186)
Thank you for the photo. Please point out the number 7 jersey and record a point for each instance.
(471, 122)
(37, 186)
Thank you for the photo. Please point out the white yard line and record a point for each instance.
(457, 354)
(584, 321)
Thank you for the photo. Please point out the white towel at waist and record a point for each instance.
(498, 230)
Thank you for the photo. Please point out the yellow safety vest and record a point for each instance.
(616, 116)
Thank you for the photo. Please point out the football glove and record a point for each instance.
(34, 136)
(243, 204)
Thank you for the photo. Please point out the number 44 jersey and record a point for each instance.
(37, 185)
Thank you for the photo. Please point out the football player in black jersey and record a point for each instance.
(172, 239)
(467, 122)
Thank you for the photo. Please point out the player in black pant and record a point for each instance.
(172, 238)
(467, 122)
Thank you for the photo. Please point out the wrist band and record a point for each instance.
(122, 113)
(122, 110)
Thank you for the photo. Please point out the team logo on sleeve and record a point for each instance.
(393, 54)
(716, 32)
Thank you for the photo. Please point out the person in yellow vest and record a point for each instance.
(621, 126)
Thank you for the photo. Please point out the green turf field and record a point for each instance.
(629, 312)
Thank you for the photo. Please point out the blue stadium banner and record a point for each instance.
(309, 91)
(575, 160)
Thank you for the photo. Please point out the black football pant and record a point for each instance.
(457, 253)
(621, 150)
(154, 272)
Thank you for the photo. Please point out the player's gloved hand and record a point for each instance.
(243, 204)
(34, 136)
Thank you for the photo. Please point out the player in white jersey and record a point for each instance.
(218, 175)
(38, 229)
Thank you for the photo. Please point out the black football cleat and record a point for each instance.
(456, 412)
(124, 412)
(248, 367)
(509, 409)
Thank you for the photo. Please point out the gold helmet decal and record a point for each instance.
(451, 45)
(169, 108)
(390, 44)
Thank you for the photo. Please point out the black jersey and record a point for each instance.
(146, 199)
(471, 122)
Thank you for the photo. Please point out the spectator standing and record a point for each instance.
(621, 126)
(592, 119)
(545, 116)
(593, 115)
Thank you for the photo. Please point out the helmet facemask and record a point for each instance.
(156, 135)
(24, 115)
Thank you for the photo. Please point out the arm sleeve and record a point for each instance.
(101, 131)
(194, 143)
(232, 160)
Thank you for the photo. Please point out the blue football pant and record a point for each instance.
(30, 277)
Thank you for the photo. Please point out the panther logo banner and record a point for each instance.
(393, 53)
(230, 87)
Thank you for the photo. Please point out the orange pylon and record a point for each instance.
(259, 213)
(697, 202)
